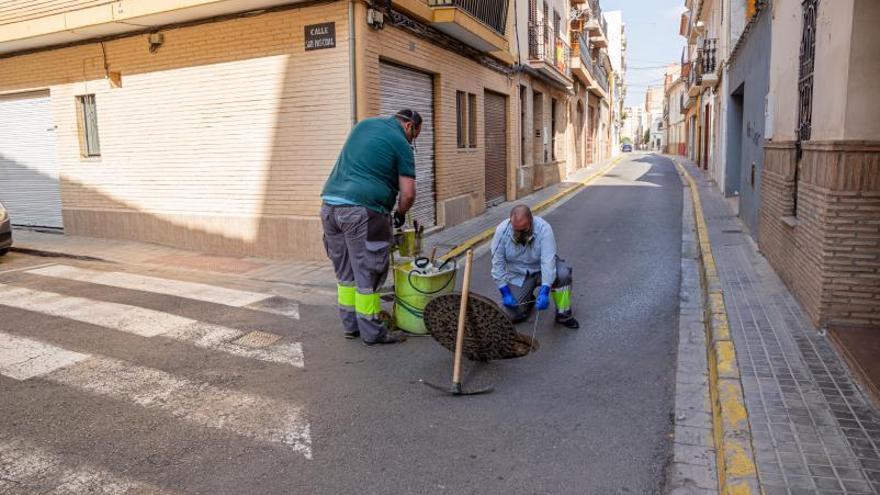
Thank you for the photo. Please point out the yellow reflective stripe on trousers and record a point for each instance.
(562, 299)
(368, 305)
(345, 296)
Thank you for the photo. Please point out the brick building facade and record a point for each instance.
(214, 128)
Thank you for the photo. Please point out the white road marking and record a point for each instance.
(26, 468)
(147, 323)
(22, 358)
(26, 268)
(249, 415)
(177, 288)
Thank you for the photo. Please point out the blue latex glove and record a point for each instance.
(543, 301)
(507, 297)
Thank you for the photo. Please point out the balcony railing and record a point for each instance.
(596, 13)
(709, 55)
(547, 46)
(696, 75)
(585, 52)
(492, 13)
(602, 78)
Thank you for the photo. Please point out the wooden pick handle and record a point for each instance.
(462, 314)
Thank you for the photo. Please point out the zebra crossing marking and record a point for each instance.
(26, 468)
(261, 418)
(147, 323)
(22, 358)
(145, 283)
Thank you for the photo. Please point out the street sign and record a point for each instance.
(319, 36)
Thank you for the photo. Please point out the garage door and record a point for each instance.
(28, 166)
(495, 113)
(406, 88)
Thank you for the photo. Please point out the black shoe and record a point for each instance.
(352, 335)
(519, 318)
(388, 338)
(568, 322)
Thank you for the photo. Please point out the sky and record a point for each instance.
(652, 42)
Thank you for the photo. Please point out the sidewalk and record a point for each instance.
(306, 273)
(813, 430)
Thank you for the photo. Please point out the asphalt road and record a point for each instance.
(589, 412)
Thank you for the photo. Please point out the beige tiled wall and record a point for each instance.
(219, 141)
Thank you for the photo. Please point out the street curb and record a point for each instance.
(486, 234)
(737, 472)
(54, 254)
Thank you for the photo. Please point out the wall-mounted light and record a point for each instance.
(156, 40)
(375, 19)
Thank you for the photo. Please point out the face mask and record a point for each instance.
(522, 237)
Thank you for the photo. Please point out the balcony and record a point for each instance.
(480, 24)
(597, 26)
(44, 23)
(585, 69)
(709, 63)
(549, 53)
(695, 75)
(686, 102)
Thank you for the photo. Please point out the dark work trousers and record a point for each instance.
(358, 242)
(560, 293)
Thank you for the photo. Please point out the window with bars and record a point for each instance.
(553, 106)
(805, 70)
(806, 65)
(472, 120)
(466, 116)
(90, 146)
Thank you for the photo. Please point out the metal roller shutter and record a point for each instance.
(407, 88)
(28, 166)
(495, 122)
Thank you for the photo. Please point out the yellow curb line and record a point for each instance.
(486, 234)
(737, 472)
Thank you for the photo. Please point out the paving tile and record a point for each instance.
(827, 484)
(774, 489)
(799, 482)
(827, 471)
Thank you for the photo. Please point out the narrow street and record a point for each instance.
(113, 379)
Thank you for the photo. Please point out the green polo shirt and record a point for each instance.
(366, 173)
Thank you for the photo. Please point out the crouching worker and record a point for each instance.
(524, 260)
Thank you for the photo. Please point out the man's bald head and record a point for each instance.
(521, 218)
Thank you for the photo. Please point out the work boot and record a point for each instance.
(388, 338)
(568, 322)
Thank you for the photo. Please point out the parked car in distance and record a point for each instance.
(626, 148)
(5, 231)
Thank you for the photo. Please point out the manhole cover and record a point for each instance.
(488, 332)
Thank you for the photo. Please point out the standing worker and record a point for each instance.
(375, 164)
(524, 259)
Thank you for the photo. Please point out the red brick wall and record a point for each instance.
(830, 254)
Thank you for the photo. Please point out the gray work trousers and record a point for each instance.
(525, 294)
(358, 242)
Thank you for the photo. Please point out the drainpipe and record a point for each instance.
(352, 72)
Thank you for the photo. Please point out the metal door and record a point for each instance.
(28, 165)
(402, 87)
(495, 125)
